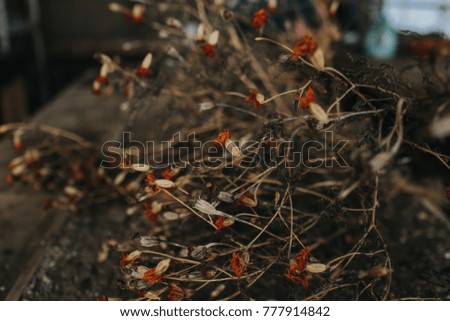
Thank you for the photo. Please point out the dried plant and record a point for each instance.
(280, 227)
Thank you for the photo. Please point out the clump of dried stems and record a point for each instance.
(268, 231)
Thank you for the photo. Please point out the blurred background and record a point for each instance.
(46, 44)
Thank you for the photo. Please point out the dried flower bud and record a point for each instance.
(225, 197)
(137, 12)
(318, 59)
(213, 38)
(316, 267)
(217, 291)
(115, 7)
(378, 271)
(174, 23)
(233, 148)
(199, 252)
(440, 127)
(318, 112)
(156, 206)
(162, 266)
(200, 33)
(16, 161)
(147, 241)
(176, 293)
(139, 272)
(140, 168)
(333, 8)
(104, 70)
(205, 207)
(272, 6)
(17, 140)
(164, 183)
(72, 191)
(32, 155)
(19, 169)
(239, 263)
(206, 105)
(247, 199)
(120, 178)
(96, 86)
(256, 97)
(144, 69)
(171, 216)
(379, 161)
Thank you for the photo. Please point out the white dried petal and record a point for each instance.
(148, 241)
(247, 201)
(205, 207)
(103, 253)
(134, 255)
(115, 7)
(245, 257)
(162, 266)
(260, 98)
(206, 105)
(171, 216)
(226, 197)
(17, 138)
(133, 209)
(199, 252)
(318, 112)
(120, 178)
(32, 155)
(272, 4)
(147, 61)
(139, 272)
(174, 22)
(96, 85)
(378, 271)
(380, 161)
(156, 207)
(217, 291)
(151, 296)
(318, 59)
(143, 168)
(16, 161)
(200, 32)
(233, 148)
(104, 59)
(213, 38)
(440, 127)
(228, 221)
(104, 70)
(138, 10)
(184, 252)
(316, 267)
(164, 183)
(72, 191)
(45, 171)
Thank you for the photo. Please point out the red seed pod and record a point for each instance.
(260, 18)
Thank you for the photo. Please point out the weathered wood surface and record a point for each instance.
(26, 227)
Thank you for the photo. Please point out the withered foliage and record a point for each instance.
(263, 225)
